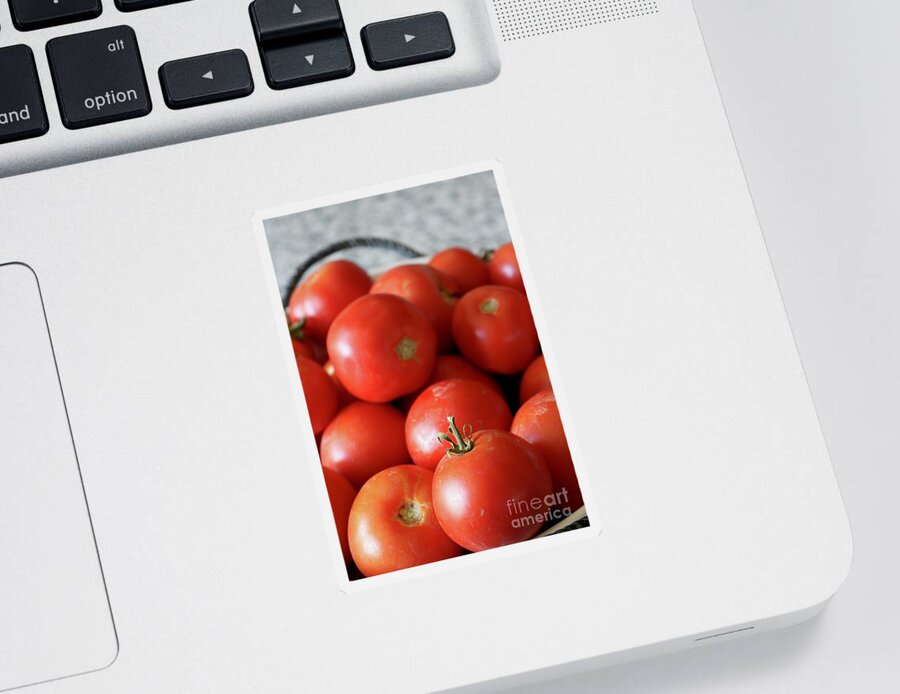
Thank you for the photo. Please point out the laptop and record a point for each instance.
(400, 346)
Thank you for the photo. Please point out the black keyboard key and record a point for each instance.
(206, 79)
(408, 40)
(297, 64)
(37, 14)
(131, 5)
(285, 19)
(99, 77)
(22, 111)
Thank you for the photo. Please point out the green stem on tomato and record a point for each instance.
(460, 442)
(296, 329)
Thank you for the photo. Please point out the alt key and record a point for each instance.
(99, 77)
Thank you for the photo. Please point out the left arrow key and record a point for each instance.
(206, 79)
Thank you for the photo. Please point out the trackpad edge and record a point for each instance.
(55, 618)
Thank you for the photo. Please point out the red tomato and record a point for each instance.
(320, 393)
(464, 266)
(504, 268)
(341, 494)
(344, 397)
(311, 349)
(382, 347)
(392, 523)
(494, 329)
(318, 299)
(538, 422)
(426, 288)
(467, 401)
(302, 345)
(534, 380)
(364, 438)
(448, 366)
(491, 489)
(302, 349)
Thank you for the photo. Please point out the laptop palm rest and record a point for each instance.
(55, 619)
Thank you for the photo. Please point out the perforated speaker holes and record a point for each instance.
(521, 19)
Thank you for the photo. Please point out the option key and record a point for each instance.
(99, 77)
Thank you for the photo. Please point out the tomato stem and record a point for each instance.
(296, 329)
(406, 349)
(448, 296)
(460, 441)
(410, 513)
(489, 306)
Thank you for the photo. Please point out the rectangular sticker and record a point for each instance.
(425, 387)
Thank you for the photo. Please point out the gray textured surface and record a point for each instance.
(464, 211)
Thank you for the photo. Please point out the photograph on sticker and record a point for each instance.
(425, 384)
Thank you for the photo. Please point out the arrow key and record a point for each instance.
(274, 20)
(298, 64)
(206, 79)
(408, 40)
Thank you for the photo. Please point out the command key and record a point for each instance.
(22, 111)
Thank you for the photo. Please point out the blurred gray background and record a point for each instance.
(463, 211)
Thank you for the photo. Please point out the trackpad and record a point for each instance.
(55, 619)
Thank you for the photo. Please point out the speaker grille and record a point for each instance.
(521, 19)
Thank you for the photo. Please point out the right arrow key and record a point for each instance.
(408, 40)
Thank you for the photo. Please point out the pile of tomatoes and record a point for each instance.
(437, 427)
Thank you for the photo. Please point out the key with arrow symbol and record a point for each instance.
(408, 41)
(293, 20)
(222, 76)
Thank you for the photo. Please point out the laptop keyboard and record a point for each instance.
(102, 76)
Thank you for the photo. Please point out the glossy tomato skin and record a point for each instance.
(464, 266)
(504, 268)
(468, 401)
(341, 495)
(382, 347)
(535, 379)
(448, 366)
(495, 494)
(494, 329)
(319, 298)
(344, 397)
(320, 394)
(539, 423)
(392, 523)
(364, 439)
(426, 288)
